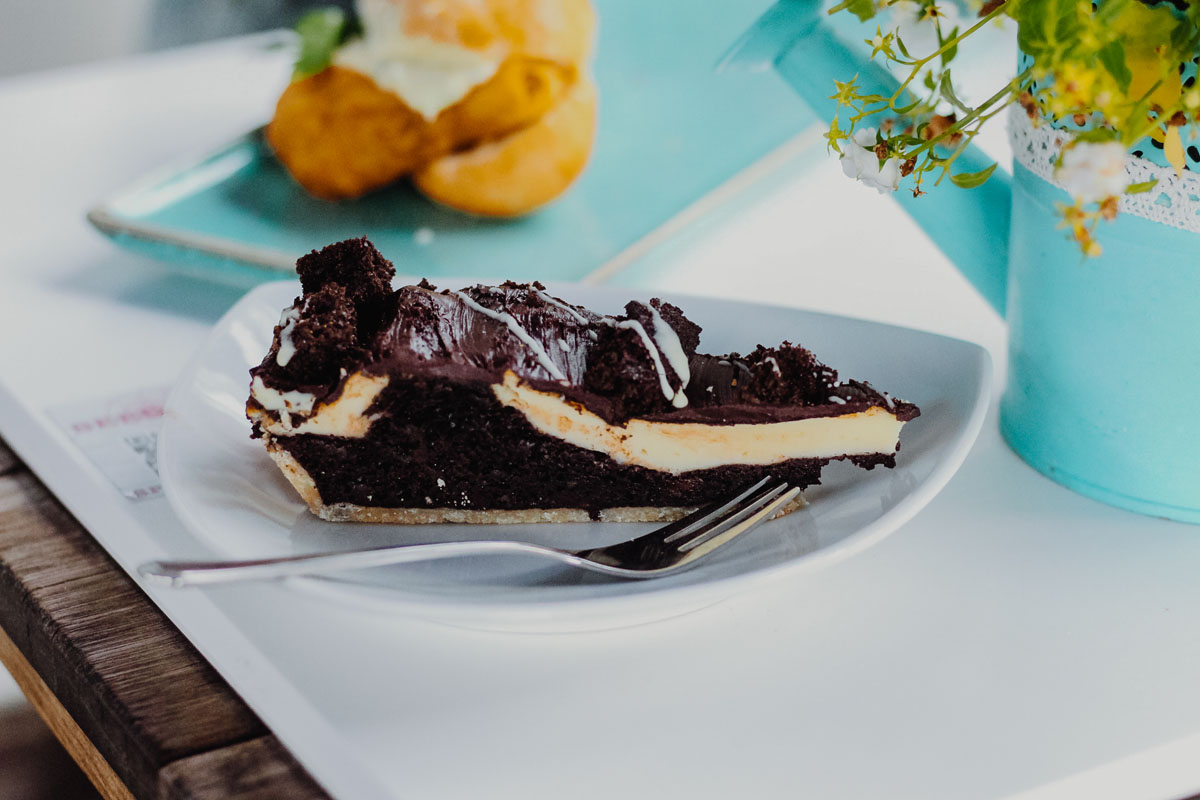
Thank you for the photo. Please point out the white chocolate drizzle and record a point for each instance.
(509, 320)
(287, 348)
(559, 304)
(672, 349)
(677, 398)
(666, 341)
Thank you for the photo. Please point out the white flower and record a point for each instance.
(860, 162)
(1093, 171)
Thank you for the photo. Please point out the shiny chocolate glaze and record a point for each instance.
(349, 319)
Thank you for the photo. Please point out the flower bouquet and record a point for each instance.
(1106, 89)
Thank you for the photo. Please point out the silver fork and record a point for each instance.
(665, 550)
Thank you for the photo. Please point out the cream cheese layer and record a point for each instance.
(673, 447)
(683, 446)
(345, 416)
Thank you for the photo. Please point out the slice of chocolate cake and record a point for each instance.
(505, 404)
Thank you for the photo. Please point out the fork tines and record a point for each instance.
(706, 524)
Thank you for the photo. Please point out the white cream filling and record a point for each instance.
(283, 403)
(346, 416)
(679, 447)
(428, 75)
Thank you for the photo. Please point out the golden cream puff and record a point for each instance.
(486, 104)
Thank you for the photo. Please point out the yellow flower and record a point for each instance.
(1076, 84)
(846, 92)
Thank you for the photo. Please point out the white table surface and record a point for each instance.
(1013, 639)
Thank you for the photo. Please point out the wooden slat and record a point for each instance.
(138, 690)
(256, 770)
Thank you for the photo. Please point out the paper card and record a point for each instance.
(120, 436)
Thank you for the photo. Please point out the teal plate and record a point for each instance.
(671, 131)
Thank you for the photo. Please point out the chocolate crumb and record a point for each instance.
(355, 264)
(325, 337)
(688, 331)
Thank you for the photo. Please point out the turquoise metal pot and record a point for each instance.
(1103, 387)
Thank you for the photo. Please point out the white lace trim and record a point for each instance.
(1173, 201)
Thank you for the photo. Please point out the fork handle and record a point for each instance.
(197, 573)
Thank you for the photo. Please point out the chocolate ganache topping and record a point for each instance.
(643, 363)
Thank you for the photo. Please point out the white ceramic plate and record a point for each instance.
(230, 495)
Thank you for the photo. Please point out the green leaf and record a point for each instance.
(969, 180)
(952, 50)
(1186, 38)
(1112, 56)
(320, 31)
(947, 90)
(1138, 188)
(1047, 28)
(863, 9)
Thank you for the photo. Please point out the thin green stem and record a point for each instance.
(977, 113)
(946, 46)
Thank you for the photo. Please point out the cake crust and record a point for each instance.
(348, 512)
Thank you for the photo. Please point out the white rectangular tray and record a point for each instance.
(1012, 635)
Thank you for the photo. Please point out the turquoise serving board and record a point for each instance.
(671, 130)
